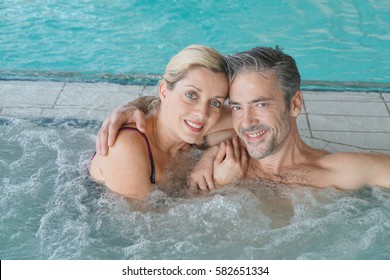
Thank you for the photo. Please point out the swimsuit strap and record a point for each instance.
(152, 175)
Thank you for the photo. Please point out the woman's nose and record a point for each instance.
(202, 110)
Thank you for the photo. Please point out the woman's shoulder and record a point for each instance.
(126, 168)
(131, 139)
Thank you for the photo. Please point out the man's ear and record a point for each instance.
(296, 104)
(162, 91)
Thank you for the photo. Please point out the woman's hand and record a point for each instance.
(201, 178)
(219, 165)
(230, 164)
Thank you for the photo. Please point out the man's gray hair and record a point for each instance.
(267, 59)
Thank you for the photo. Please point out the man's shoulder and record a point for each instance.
(343, 157)
(354, 161)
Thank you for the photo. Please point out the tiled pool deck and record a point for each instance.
(336, 121)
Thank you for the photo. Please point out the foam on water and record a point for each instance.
(49, 209)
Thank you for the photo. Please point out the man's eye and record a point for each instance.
(235, 108)
(262, 104)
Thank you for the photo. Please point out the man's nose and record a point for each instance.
(248, 118)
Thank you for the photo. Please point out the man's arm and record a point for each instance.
(132, 112)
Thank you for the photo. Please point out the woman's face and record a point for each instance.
(194, 105)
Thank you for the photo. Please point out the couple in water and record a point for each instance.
(255, 136)
(191, 100)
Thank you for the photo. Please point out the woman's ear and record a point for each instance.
(296, 104)
(162, 91)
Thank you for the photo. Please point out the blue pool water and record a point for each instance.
(49, 209)
(332, 41)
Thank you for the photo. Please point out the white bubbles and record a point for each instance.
(49, 209)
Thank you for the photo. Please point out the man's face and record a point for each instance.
(260, 116)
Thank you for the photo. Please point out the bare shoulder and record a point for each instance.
(359, 169)
(126, 168)
(128, 144)
(130, 140)
(355, 159)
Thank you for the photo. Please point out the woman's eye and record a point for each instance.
(190, 95)
(215, 103)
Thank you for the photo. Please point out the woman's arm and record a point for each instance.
(126, 169)
(219, 165)
(222, 130)
(230, 164)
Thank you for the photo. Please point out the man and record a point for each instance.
(265, 100)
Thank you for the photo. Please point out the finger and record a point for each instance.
(191, 183)
(97, 144)
(244, 156)
(210, 182)
(101, 141)
(202, 184)
(236, 147)
(221, 153)
(113, 130)
(139, 118)
(229, 149)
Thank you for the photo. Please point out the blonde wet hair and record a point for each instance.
(190, 57)
(187, 59)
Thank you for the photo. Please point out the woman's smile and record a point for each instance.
(194, 126)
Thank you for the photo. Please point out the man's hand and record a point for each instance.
(132, 112)
(108, 132)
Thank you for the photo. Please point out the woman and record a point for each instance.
(191, 93)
